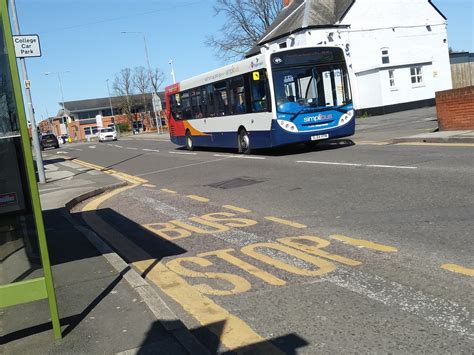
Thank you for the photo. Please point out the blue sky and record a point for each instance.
(84, 37)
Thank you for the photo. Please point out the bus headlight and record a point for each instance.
(287, 126)
(346, 117)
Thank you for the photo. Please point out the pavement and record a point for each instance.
(104, 305)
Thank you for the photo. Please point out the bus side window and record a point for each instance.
(211, 111)
(175, 105)
(237, 95)
(186, 105)
(203, 102)
(222, 100)
(258, 91)
(196, 103)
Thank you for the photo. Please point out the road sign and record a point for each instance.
(27, 46)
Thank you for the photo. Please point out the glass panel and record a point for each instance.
(19, 252)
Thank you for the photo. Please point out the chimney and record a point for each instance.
(287, 3)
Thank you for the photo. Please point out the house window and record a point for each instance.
(391, 76)
(385, 56)
(416, 74)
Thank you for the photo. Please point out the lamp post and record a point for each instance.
(172, 71)
(62, 95)
(60, 85)
(110, 103)
(158, 126)
(34, 128)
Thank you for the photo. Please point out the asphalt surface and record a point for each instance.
(382, 220)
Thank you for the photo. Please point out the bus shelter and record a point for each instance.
(22, 234)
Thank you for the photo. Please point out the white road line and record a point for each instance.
(393, 166)
(356, 164)
(151, 150)
(131, 148)
(239, 156)
(61, 152)
(91, 147)
(118, 146)
(327, 163)
(183, 153)
(180, 167)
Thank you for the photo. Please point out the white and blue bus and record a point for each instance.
(269, 100)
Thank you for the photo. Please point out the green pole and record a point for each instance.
(28, 160)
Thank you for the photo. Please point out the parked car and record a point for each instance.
(107, 134)
(49, 140)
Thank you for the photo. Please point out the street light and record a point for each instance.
(110, 103)
(60, 85)
(155, 94)
(172, 71)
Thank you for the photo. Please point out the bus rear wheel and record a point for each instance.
(189, 141)
(244, 142)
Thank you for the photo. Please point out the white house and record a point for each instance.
(397, 50)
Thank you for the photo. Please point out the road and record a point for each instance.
(347, 246)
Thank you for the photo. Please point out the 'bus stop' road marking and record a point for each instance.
(286, 222)
(363, 243)
(459, 269)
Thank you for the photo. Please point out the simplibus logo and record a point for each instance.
(317, 118)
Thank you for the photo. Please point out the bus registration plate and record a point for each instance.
(320, 136)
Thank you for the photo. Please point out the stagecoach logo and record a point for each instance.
(317, 118)
(256, 64)
(277, 60)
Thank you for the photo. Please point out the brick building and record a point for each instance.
(78, 119)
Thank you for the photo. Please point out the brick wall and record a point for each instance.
(455, 109)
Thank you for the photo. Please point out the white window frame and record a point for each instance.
(385, 55)
(391, 80)
(416, 74)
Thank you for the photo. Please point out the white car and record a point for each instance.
(107, 134)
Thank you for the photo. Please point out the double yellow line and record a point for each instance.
(135, 180)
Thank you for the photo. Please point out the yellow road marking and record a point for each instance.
(438, 144)
(233, 332)
(236, 209)
(251, 269)
(372, 143)
(286, 222)
(149, 185)
(95, 203)
(364, 243)
(198, 198)
(169, 191)
(459, 269)
(129, 178)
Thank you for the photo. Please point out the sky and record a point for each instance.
(82, 41)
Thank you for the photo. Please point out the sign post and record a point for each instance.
(157, 107)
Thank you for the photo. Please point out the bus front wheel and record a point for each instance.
(244, 142)
(189, 141)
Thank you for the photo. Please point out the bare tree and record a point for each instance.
(246, 21)
(141, 80)
(123, 87)
(157, 78)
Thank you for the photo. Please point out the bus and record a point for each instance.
(272, 99)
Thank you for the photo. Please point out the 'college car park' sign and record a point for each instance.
(27, 46)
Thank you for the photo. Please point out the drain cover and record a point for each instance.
(235, 183)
